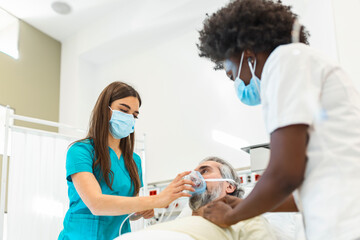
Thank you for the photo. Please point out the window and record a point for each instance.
(9, 34)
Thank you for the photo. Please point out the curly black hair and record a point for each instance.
(256, 25)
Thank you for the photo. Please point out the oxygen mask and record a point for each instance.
(200, 182)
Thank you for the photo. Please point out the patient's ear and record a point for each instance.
(230, 188)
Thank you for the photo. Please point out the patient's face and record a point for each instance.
(214, 190)
(210, 169)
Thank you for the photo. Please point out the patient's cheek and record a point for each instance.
(210, 186)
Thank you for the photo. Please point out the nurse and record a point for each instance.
(104, 174)
(311, 111)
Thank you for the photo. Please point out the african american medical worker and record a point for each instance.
(312, 113)
(104, 174)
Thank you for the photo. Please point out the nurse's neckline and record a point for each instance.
(118, 156)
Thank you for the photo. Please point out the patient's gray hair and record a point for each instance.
(227, 171)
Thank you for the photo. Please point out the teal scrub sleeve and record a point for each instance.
(137, 160)
(79, 158)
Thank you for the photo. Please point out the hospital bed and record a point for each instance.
(287, 226)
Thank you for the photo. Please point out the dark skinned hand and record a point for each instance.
(219, 212)
(231, 200)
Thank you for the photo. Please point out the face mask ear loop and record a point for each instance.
(240, 65)
(252, 70)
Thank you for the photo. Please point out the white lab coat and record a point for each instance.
(300, 86)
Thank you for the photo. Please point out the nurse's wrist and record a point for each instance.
(155, 201)
(231, 217)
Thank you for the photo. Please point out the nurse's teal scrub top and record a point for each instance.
(79, 222)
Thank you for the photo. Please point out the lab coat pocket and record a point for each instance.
(83, 226)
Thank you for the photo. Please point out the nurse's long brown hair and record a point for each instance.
(99, 131)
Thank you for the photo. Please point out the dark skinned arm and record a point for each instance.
(283, 175)
(288, 205)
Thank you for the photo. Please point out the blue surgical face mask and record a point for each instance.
(200, 182)
(249, 94)
(121, 124)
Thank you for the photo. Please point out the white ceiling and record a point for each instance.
(39, 14)
(102, 24)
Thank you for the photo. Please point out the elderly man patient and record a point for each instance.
(195, 226)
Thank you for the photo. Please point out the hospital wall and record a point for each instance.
(31, 84)
(346, 17)
(189, 110)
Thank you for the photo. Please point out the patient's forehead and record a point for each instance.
(210, 166)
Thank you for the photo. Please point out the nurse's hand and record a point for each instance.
(228, 199)
(145, 214)
(231, 200)
(219, 213)
(175, 190)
